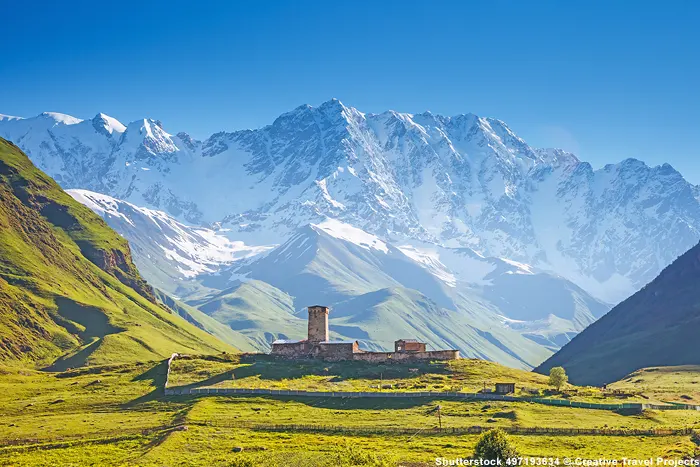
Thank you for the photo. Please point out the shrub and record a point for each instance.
(557, 377)
(351, 456)
(493, 445)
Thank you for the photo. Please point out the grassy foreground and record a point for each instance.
(464, 375)
(117, 415)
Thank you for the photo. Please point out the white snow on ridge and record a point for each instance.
(522, 268)
(430, 260)
(101, 204)
(193, 250)
(351, 234)
(62, 118)
(112, 125)
(9, 117)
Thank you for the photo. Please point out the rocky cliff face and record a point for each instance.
(462, 181)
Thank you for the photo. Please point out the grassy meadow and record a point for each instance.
(118, 415)
(463, 375)
(674, 384)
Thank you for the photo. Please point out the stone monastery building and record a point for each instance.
(317, 345)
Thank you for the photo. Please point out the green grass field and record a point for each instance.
(464, 375)
(680, 384)
(118, 415)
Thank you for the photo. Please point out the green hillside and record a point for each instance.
(68, 286)
(255, 309)
(379, 318)
(203, 321)
(657, 326)
(666, 384)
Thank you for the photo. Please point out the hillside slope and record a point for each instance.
(376, 292)
(68, 286)
(657, 326)
(330, 262)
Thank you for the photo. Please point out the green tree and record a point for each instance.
(557, 377)
(494, 444)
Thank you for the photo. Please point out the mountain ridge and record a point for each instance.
(462, 181)
(335, 263)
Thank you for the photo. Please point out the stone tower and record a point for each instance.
(318, 323)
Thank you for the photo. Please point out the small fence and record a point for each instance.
(430, 394)
(467, 430)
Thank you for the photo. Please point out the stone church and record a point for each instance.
(318, 345)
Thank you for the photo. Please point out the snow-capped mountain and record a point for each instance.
(257, 291)
(331, 261)
(457, 182)
(166, 251)
(377, 294)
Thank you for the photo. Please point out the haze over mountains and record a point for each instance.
(449, 216)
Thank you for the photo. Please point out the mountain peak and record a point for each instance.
(332, 103)
(111, 125)
(60, 118)
(9, 117)
(556, 157)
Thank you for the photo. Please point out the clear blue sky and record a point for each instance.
(607, 80)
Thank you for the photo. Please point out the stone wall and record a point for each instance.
(293, 349)
(381, 357)
(406, 356)
(430, 394)
(336, 351)
(345, 351)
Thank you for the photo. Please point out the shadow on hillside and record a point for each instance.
(75, 360)
(156, 375)
(266, 368)
(89, 323)
(360, 403)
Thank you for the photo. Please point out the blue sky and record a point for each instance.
(606, 80)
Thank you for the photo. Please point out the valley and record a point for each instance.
(84, 356)
(118, 414)
(500, 249)
(347, 234)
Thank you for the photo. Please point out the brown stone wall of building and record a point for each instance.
(414, 347)
(318, 324)
(381, 357)
(335, 352)
(294, 349)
